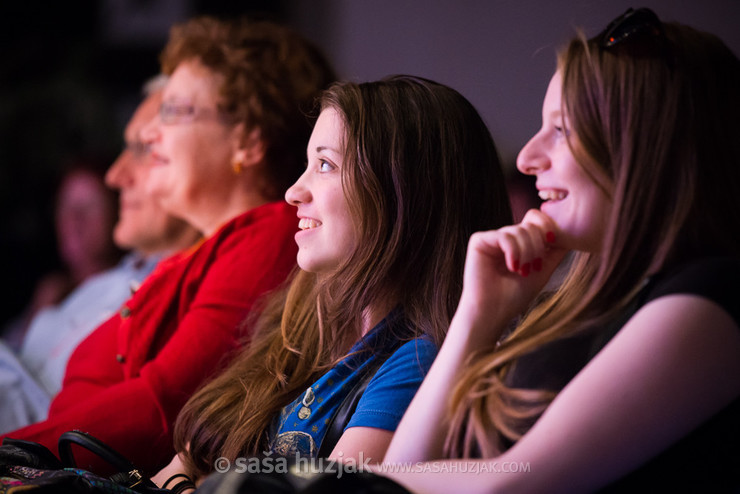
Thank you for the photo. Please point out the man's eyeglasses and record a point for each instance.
(174, 113)
(138, 148)
(633, 23)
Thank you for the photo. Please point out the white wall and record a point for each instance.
(498, 53)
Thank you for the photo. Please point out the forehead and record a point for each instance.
(146, 111)
(81, 185)
(552, 103)
(194, 82)
(328, 132)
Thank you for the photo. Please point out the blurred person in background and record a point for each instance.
(143, 228)
(84, 215)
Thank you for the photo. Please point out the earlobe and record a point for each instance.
(237, 162)
(252, 150)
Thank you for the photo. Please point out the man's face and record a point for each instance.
(142, 225)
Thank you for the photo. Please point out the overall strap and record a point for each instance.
(347, 408)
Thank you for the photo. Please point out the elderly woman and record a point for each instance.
(229, 139)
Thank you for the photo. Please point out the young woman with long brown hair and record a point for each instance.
(400, 173)
(626, 376)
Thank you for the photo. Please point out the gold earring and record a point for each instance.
(236, 165)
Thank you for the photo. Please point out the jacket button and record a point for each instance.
(120, 358)
(125, 312)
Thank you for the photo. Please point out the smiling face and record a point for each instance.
(327, 236)
(572, 198)
(142, 224)
(192, 148)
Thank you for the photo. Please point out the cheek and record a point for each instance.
(346, 239)
(155, 183)
(206, 160)
(344, 219)
(595, 213)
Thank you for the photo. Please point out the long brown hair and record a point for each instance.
(421, 174)
(661, 121)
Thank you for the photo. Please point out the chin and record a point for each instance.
(303, 263)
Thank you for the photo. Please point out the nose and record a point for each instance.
(532, 158)
(115, 177)
(298, 193)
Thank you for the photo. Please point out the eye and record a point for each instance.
(171, 112)
(562, 131)
(325, 166)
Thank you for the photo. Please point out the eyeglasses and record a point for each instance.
(174, 113)
(138, 148)
(632, 23)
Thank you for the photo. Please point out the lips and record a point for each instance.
(127, 201)
(158, 159)
(308, 223)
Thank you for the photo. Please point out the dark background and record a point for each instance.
(71, 75)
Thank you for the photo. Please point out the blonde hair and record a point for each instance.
(661, 121)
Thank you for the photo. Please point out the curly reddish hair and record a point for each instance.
(271, 79)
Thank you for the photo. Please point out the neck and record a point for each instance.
(183, 239)
(375, 313)
(209, 224)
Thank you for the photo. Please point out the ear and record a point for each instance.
(251, 150)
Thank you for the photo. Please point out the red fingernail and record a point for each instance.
(516, 265)
(550, 237)
(537, 264)
(525, 269)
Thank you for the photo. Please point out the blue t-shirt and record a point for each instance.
(303, 424)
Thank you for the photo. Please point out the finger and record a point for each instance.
(499, 246)
(533, 247)
(547, 225)
(522, 246)
(511, 247)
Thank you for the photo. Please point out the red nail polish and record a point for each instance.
(537, 264)
(525, 269)
(516, 265)
(550, 237)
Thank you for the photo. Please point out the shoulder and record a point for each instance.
(266, 229)
(412, 360)
(392, 388)
(714, 279)
(277, 214)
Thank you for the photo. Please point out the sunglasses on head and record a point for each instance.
(632, 24)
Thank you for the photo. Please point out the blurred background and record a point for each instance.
(71, 74)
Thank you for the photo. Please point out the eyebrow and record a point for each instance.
(326, 148)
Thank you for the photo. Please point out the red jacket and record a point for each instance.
(126, 383)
